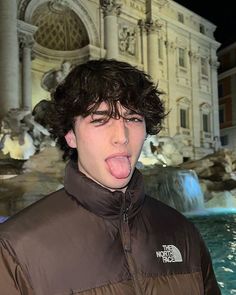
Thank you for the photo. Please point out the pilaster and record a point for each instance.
(26, 42)
(26, 45)
(152, 27)
(9, 67)
(111, 10)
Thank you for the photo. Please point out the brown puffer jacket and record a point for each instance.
(87, 240)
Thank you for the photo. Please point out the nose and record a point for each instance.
(120, 132)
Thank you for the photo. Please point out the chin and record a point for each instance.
(119, 184)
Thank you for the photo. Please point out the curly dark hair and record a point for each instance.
(109, 81)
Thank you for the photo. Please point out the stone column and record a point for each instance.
(9, 57)
(111, 10)
(26, 43)
(214, 64)
(195, 103)
(142, 40)
(170, 48)
(152, 48)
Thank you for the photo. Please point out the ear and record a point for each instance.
(71, 139)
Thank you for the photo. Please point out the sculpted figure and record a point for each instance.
(52, 78)
(20, 135)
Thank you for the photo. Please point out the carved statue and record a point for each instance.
(21, 136)
(164, 151)
(52, 78)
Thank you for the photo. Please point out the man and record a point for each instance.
(100, 234)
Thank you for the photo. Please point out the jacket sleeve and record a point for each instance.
(210, 284)
(12, 278)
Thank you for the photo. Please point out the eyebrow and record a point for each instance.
(106, 113)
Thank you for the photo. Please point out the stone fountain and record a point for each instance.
(31, 169)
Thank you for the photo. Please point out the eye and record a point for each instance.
(135, 119)
(99, 121)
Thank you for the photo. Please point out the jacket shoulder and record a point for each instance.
(167, 217)
(37, 215)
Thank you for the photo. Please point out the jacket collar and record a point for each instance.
(100, 200)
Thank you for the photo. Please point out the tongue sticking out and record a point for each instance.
(119, 167)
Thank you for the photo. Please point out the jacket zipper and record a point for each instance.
(126, 241)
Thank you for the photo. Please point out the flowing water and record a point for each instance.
(177, 188)
(219, 232)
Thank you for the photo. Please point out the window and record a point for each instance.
(220, 90)
(221, 114)
(224, 140)
(205, 123)
(182, 58)
(180, 17)
(183, 118)
(184, 113)
(202, 29)
(204, 69)
(205, 111)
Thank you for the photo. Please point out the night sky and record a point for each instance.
(223, 16)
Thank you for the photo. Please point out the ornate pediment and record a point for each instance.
(162, 3)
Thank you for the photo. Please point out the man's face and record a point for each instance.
(108, 150)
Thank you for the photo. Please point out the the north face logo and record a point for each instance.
(169, 254)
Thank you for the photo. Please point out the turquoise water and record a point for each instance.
(219, 232)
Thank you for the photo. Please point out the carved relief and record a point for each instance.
(127, 40)
(25, 40)
(205, 107)
(153, 26)
(141, 23)
(110, 7)
(214, 63)
(194, 56)
(184, 100)
(57, 5)
(162, 3)
(170, 45)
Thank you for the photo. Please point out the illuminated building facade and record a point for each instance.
(171, 43)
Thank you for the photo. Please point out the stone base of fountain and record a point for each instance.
(40, 175)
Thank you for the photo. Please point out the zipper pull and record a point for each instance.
(125, 216)
(126, 231)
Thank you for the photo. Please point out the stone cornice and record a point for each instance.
(25, 34)
(56, 55)
(25, 27)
